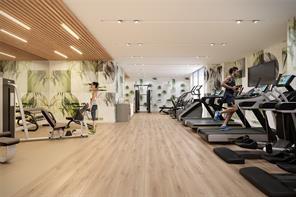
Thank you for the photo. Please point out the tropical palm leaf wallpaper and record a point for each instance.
(37, 89)
(60, 85)
(284, 58)
(291, 44)
(213, 77)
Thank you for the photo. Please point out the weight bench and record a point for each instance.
(59, 127)
(7, 148)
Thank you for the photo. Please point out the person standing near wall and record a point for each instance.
(230, 90)
(93, 105)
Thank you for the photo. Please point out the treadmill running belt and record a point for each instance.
(208, 122)
(216, 135)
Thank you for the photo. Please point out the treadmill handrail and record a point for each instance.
(286, 106)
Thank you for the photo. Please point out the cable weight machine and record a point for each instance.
(142, 91)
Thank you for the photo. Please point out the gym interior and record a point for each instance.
(146, 98)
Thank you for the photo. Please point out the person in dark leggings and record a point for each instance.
(230, 90)
(93, 102)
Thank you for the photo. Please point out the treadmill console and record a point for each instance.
(285, 80)
(258, 90)
(253, 92)
(262, 88)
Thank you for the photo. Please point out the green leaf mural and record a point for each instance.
(284, 58)
(37, 80)
(63, 102)
(291, 43)
(12, 69)
(109, 98)
(109, 70)
(164, 92)
(159, 87)
(258, 57)
(61, 80)
(89, 70)
(34, 100)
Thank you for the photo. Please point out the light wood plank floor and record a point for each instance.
(151, 156)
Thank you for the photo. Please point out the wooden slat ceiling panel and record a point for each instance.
(46, 35)
(20, 54)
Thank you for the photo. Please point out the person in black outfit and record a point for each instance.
(230, 90)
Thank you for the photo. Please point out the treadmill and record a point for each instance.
(210, 102)
(214, 135)
(194, 109)
(280, 138)
(281, 184)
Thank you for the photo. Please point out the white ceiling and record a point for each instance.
(174, 32)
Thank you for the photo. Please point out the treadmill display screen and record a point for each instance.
(285, 80)
(262, 88)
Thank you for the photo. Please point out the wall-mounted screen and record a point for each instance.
(266, 72)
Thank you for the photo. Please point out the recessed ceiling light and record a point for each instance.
(60, 54)
(136, 57)
(140, 44)
(212, 44)
(70, 31)
(255, 21)
(6, 54)
(128, 44)
(223, 44)
(12, 35)
(136, 21)
(76, 50)
(14, 20)
(238, 21)
(201, 56)
(119, 21)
